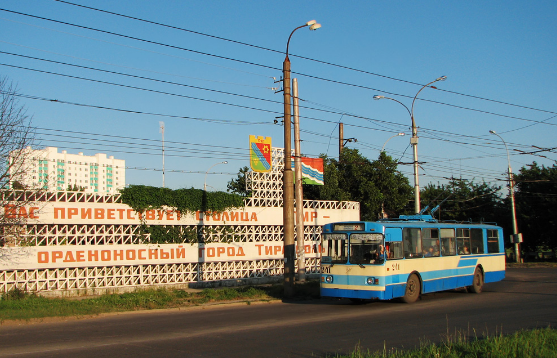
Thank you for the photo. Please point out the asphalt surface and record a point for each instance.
(525, 299)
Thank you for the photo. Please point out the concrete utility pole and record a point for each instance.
(298, 187)
(341, 141)
(287, 180)
(340, 138)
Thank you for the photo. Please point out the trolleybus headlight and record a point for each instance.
(370, 280)
(329, 279)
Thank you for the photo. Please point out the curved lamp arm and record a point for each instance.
(207, 172)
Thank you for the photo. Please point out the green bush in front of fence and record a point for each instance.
(19, 305)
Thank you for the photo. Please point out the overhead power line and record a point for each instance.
(138, 77)
(262, 66)
(138, 88)
(143, 69)
(237, 105)
(298, 56)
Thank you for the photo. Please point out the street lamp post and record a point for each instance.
(414, 141)
(287, 179)
(513, 206)
(401, 134)
(207, 172)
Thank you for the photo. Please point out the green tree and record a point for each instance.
(377, 185)
(238, 185)
(536, 202)
(464, 200)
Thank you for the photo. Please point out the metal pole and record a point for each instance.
(161, 124)
(207, 172)
(414, 142)
(298, 187)
(513, 206)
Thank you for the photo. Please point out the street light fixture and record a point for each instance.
(414, 140)
(207, 172)
(401, 134)
(513, 206)
(287, 177)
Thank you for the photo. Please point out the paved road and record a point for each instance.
(526, 299)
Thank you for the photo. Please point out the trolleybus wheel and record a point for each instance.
(412, 289)
(477, 283)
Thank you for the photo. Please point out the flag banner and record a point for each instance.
(260, 154)
(312, 171)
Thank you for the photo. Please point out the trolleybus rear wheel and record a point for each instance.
(412, 289)
(478, 282)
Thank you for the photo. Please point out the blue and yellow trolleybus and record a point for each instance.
(409, 256)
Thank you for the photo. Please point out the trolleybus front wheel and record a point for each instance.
(412, 289)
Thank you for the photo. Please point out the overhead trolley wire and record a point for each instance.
(146, 146)
(236, 122)
(118, 139)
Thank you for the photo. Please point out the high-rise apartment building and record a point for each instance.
(53, 171)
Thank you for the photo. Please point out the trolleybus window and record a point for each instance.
(394, 250)
(335, 248)
(463, 241)
(412, 239)
(477, 241)
(448, 242)
(367, 249)
(430, 239)
(492, 241)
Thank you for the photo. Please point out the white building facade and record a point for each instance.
(53, 171)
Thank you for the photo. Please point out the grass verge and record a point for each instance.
(19, 305)
(540, 343)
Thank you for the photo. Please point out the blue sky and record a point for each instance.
(502, 51)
